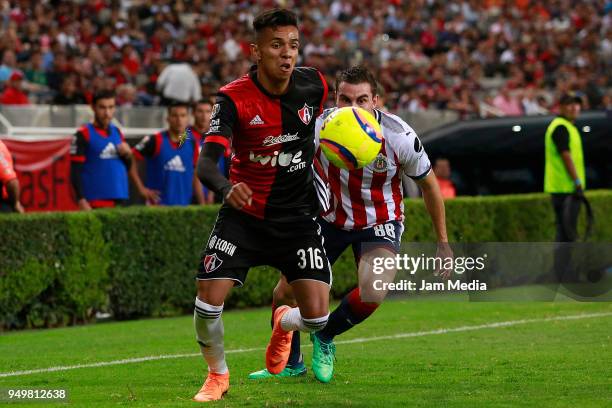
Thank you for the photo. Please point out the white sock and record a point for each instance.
(209, 335)
(293, 320)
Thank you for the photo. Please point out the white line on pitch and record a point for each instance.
(357, 340)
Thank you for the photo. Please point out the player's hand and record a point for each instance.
(239, 196)
(84, 205)
(579, 193)
(152, 196)
(123, 149)
(443, 252)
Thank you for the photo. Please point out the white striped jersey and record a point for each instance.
(361, 198)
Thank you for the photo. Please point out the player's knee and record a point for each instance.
(315, 324)
(214, 292)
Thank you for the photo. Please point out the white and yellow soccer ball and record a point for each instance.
(350, 138)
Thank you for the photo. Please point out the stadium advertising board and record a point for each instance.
(43, 169)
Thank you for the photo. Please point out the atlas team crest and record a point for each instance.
(212, 263)
(306, 114)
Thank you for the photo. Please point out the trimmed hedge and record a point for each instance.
(59, 268)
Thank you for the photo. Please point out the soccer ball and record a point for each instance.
(350, 138)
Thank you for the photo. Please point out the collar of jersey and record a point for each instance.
(253, 76)
(377, 115)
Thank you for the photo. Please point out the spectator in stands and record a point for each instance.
(9, 184)
(171, 179)
(442, 170)
(120, 37)
(35, 72)
(179, 82)
(507, 103)
(13, 93)
(9, 64)
(68, 94)
(409, 45)
(100, 158)
(127, 95)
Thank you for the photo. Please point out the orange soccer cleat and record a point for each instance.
(277, 352)
(215, 386)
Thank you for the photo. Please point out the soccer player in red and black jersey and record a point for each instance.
(100, 158)
(269, 200)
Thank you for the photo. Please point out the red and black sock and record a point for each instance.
(350, 312)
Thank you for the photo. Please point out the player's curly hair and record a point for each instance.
(273, 18)
(356, 75)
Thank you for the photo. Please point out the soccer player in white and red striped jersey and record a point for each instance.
(365, 210)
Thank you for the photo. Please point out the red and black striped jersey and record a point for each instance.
(272, 138)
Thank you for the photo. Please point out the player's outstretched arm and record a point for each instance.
(237, 195)
(435, 207)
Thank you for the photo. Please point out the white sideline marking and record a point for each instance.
(358, 340)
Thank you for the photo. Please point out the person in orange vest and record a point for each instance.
(442, 170)
(9, 185)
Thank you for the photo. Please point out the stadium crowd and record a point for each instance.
(478, 58)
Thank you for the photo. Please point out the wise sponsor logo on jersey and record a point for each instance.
(222, 245)
(287, 137)
(293, 161)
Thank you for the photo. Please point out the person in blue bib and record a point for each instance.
(170, 177)
(100, 157)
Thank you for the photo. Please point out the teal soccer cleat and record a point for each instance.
(287, 372)
(323, 356)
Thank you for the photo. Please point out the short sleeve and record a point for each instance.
(411, 154)
(78, 147)
(223, 121)
(561, 138)
(146, 147)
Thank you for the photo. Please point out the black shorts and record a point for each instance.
(240, 241)
(387, 235)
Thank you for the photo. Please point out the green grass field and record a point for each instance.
(444, 354)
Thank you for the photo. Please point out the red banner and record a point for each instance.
(43, 169)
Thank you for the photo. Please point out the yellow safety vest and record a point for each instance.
(556, 177)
